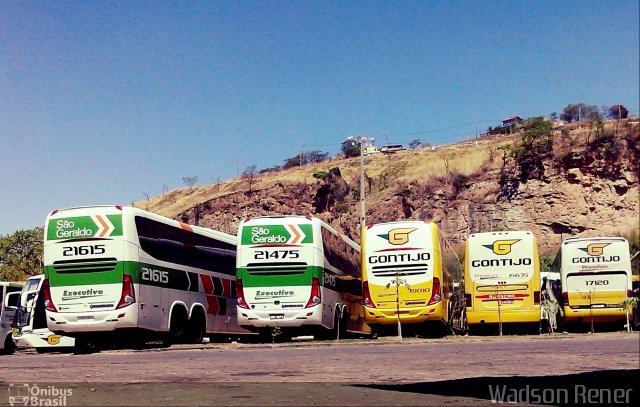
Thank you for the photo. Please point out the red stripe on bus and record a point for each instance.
(226, 290)
(213, 305)
(502, 296)
(207, 283)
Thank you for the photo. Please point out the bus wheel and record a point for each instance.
(197, 326)
(179, 325)
(335, 333)
(344, 325)
(84, 346)
(9, 346)
(375, 331)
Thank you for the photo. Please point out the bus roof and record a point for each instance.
(591, 239)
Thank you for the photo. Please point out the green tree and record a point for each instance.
(350, 148)
(21, 254)
(309, 157)
(578, 112)
(536, 142)
(617, 112)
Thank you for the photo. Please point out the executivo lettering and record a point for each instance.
(280, 293)
(74, 295)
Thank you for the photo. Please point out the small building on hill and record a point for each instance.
(511, 120)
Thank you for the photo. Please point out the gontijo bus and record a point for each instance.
(407, 256)
(502, 278)
(596, 278)
(121, 269)
(30, 321)
(299, 274)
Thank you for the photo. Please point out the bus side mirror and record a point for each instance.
(27, 298)
(11, 300)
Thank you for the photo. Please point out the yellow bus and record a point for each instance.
(596, 278)
(404, 279)
(502, 278)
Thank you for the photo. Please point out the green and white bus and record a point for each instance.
(113, 269)
(298, 274)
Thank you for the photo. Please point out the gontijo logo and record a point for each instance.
(290, 234)
(85, 226)
(595, 249)
(596, 254)
(398, 236)
(501, 247)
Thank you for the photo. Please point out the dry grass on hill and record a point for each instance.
(402, 167)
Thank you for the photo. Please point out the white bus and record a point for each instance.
(298, 274)
(596, 278)
(9, 296)
(121, 269)
(30, 322)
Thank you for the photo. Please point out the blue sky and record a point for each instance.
(103, 101)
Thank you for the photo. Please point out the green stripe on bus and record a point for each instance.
(255, 280)
(141, 273)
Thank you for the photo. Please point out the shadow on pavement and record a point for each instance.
(601, 387)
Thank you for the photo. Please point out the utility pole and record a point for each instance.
(362, 209)
(301, 154)
(500, 283)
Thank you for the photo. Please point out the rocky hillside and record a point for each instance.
(581, 181)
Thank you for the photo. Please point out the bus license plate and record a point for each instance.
(276, 316)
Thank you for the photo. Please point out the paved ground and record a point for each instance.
(449, 371)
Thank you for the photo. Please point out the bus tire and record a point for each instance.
(335, 332)
(84, 346)
(178, 327)
(9, 346)
(344, 324)
(197, 326)
(375, 331)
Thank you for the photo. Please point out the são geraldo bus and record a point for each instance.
(298, 274)
(412, 259)
(596, 278)
(120, 269)
(502, 279)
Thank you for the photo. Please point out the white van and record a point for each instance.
(9, 294)
(30, 323)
